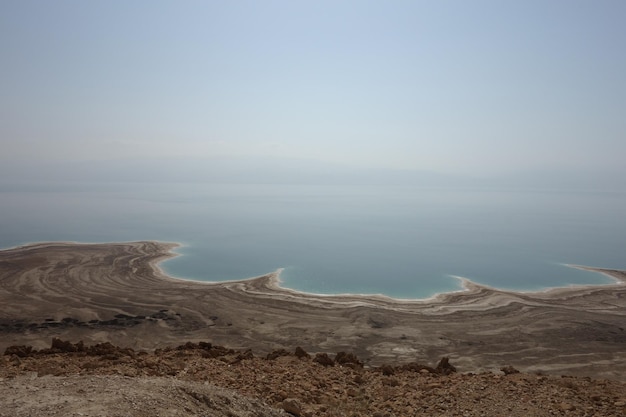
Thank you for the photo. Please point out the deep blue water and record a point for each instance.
(400, 241)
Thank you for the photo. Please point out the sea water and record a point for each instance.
(401, 241)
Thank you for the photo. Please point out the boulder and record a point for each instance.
(277, 354)
(65, 346)
(344, 358)
(444, 367)
(19, 351)
(324, 359)
(301, 353)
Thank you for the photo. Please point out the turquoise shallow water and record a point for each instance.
(402, 241)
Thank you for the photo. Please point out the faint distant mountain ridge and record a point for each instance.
(221, 170)
(291, 171)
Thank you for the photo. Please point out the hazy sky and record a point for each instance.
(450, 86)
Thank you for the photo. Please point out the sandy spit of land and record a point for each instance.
(115, 292)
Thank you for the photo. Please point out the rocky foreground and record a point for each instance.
(200, 379)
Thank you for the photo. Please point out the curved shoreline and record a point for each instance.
(274, 282)
(116, 292)
(466, 284)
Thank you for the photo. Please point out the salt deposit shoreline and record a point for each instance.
(465, 283)
(116, 292)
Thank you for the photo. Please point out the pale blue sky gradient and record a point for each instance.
(480, 87)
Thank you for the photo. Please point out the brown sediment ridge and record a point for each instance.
(115, 293)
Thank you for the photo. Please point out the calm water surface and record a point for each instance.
(401, 241)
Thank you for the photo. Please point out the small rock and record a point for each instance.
(567, 407)
(392, 382)
(292, 406)
(509, 370)
(352, 392)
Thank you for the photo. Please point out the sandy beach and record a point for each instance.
(116, 292)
